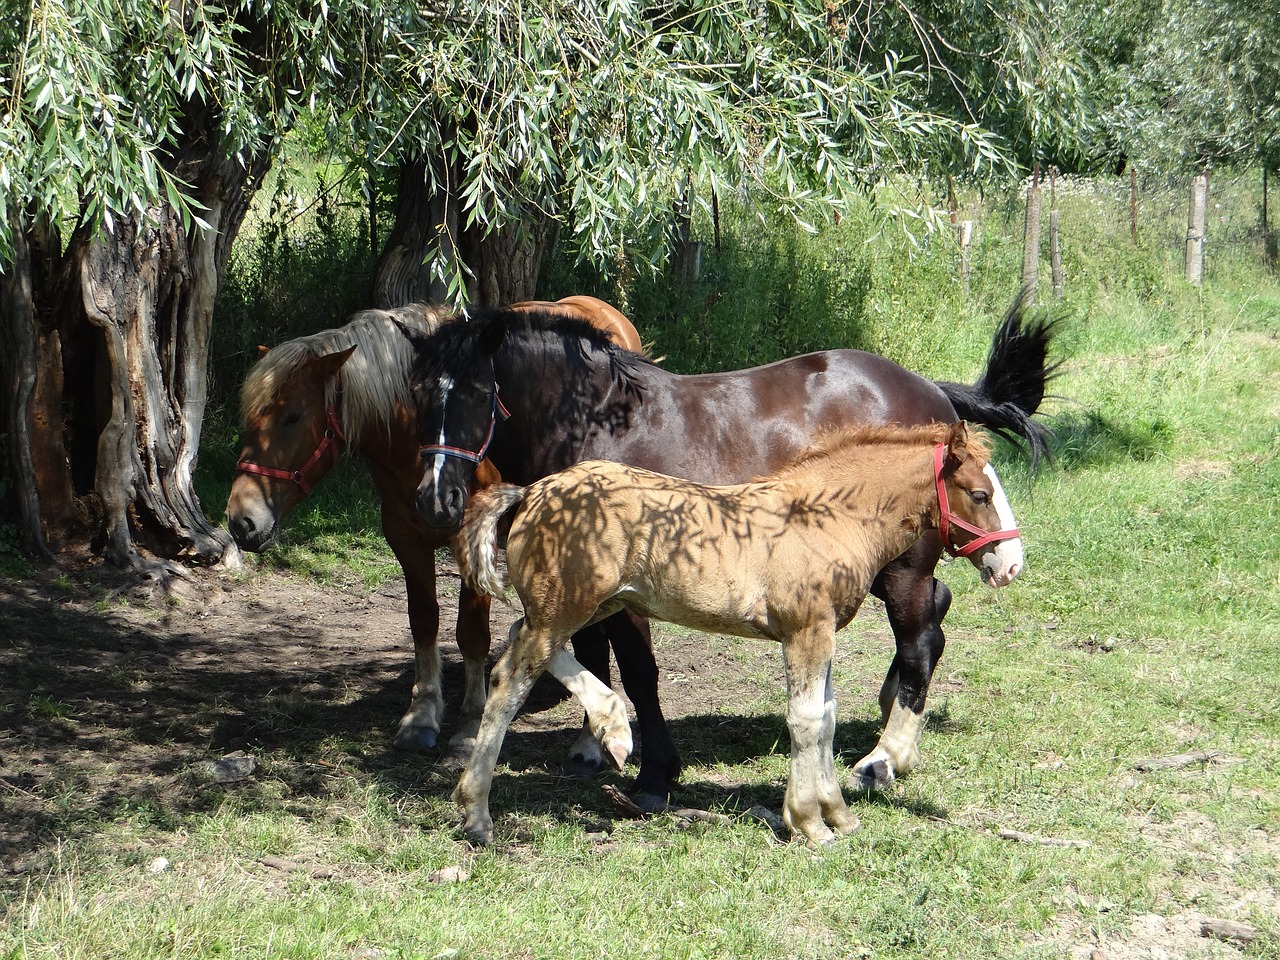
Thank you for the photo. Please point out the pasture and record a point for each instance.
(1099, 770)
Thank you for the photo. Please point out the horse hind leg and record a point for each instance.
(606, 714)
(591, 649)
(513, 677)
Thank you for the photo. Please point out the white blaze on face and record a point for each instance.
(438, 457)
(1004, 562)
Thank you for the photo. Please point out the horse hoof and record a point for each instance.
(649, 802)
(479, 836)
(419, 740)
(580, 768)
(874, 776)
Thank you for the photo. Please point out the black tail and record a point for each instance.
(1009, 392)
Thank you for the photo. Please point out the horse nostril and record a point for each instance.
(456, 504)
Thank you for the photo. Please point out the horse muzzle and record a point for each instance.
(1002, 564)
(250, 533)
(442, 507)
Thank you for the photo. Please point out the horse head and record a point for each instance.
(975, 519)
(455, 395)
(292, 437)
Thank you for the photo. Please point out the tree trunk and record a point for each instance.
(105, 387)
(501, 266)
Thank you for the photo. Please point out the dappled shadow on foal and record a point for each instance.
(788, 558)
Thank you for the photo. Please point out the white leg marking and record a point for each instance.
(605, 711)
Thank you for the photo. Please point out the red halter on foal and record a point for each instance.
(332, 439)
(947, 519)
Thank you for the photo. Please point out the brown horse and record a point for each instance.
(307, 399)
(787, 558)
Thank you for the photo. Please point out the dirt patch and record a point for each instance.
(110, 700)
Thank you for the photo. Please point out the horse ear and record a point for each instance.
(958, 443)
(331, 363)
(263, 351)
(492, 334)
(410, 334)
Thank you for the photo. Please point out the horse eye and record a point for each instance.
(292, 418)
(980, 497)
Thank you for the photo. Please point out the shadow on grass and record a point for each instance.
(1087, 439)
(103, 718)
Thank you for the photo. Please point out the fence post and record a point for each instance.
(1031, 239)
(963, 232)
(1133, 202)
(1055, 246)
(1195, 229)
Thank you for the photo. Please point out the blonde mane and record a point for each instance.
(837, 441)
(371, 382)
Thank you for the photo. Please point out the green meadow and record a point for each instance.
(1101, 767)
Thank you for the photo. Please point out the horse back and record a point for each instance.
(730, 427)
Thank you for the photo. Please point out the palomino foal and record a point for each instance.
(787, 558)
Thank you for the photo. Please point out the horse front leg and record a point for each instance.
(419, 727)
(513, 677)
(474, 641)
(814, 806)
(916, 604)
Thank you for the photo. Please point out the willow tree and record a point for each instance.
(515, 123)
(134, 134)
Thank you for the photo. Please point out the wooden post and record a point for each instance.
(1195, 229)
(1270, 255)
(1133, 202)
(1055, 255)
(964, 231)
(1031, 239)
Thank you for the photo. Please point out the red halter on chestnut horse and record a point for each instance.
(307, 400)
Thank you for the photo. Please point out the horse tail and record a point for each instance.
(477, 543)
(1009, 392)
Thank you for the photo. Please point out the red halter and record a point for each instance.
(474, 456)
(332, 438)
(947, 519)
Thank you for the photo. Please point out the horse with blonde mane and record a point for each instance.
(788, 558)
(306, 401)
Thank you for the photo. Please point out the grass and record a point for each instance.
(1145, 626)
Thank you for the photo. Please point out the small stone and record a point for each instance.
(158, 865)
(229, 769)
(453, 874)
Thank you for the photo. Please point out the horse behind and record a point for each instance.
(789, 558)
(306, 401)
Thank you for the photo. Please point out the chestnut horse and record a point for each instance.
(788, 558)
(306, 400)
(572, 396)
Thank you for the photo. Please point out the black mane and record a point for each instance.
(456, 348)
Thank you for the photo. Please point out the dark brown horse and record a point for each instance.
(309, 398)
(572, 396)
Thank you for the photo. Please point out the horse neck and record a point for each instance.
(888, 492)
(555, 389)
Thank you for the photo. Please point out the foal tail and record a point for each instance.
(477, 543)
(1009, 392)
